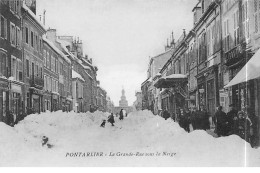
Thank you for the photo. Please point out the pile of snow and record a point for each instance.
(139, 132)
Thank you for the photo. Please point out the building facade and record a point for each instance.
(32, 44)
(11, 89)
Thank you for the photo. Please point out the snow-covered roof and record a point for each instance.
(76, 75)
(87, 62)
(44, 38)
(26, 8)
(63, 45)
(175, 76)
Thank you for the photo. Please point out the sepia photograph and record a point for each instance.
(129, 83)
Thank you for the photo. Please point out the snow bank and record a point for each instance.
(139, 132)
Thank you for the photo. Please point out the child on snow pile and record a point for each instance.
(103, 123)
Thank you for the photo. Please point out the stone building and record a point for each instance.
(33, 30)
(12, 90)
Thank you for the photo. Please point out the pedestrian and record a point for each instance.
(231, 117)
(166, 114)
(10, 120)
(121, 115)
(181, 119)
(111, 119)
(205, 119)
(221, 122)
(193, 118)
(242, 126)
(187, 120)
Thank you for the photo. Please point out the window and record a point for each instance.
(20, 70)
(17, 69)
(32, 39)
(12, 5)
(3, 69)
(36, 69)
(18, 37)
(245, 20)
(3, 27)
(12, 34)
(236, 28)
(48, 60)
(52, 63)
(27, 68)
(226, 36)
(36, 42)
(41, 72)
(57, 86)
(44, 57)
(44, 82)
(40, 48)
(26, 35)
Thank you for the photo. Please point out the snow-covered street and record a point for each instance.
(141, 139)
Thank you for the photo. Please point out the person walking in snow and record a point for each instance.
(231, 117)
(111, 119)
(221, 121)
(121, 115)
(193, 118)
(205, 119)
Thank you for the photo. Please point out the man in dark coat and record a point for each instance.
(193, 118)
(231, 117)
(204, 119)
(121, 115)
(187, 120)
(221, 121)
(111, 119)
(166, 114)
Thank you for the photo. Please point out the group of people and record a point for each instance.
(187, 118)
(241, 123)
(111, 118)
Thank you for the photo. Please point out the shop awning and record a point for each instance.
(250, 71)
(171, 80)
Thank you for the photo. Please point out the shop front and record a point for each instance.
(175, 88)
(36, 100)
(63, 103)
(54, 102)
(245, 93)
(16, 101)
(47, 101)
(68, 104)
(3, 99)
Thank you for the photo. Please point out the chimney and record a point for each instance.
(173, 41)
(44, 11)
(90, 60)
(52, 35)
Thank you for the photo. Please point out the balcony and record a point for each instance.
(37, 82)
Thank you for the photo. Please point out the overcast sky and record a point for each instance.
(120, 35)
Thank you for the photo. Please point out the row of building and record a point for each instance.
(40, 70)
(197, 69)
